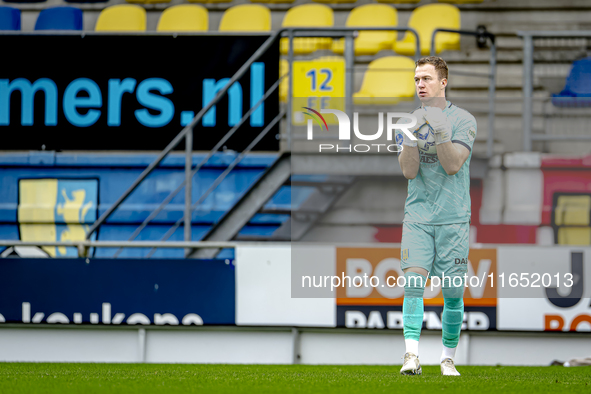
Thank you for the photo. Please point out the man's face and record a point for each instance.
(428, 84)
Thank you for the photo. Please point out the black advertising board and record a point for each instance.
(131, 92)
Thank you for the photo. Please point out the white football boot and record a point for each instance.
(411, 365)
(448, 368)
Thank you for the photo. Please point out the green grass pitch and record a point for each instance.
(190, 378)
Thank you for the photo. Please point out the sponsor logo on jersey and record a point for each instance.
(429, 159)
(461, 261)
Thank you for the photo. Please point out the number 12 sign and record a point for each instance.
(318, 84)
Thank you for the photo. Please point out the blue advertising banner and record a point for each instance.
(133, 92)
(117, 291)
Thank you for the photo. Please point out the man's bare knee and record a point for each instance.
(417, 270)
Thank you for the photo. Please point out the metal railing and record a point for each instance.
(83, 247)
(482, 35)
(528, 85)
(186, 133)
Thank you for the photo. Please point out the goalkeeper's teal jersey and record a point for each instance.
(433, 196)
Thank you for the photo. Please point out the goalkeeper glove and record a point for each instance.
(439, 123)
(420, 122)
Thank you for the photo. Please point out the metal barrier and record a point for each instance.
(481, 36)
(528, 84)
(83, 247)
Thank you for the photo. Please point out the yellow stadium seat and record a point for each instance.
(461, 1)
(122, 17)
(307, 15)
(572, 211)
(246, 17)
(370, 42)
(386, 81)
(574, 236)
(425, 19)
(184, 17)
(283, 85)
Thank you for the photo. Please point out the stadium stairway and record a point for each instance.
(57, 196)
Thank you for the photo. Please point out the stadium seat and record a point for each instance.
(307, 15)
(386, 81)
(425, 19)
(574, 236)
(10, 18)
(370, 42)
(246, 17)
(577, 90)
(184, 17)
(571, 216)
(59, 18)
(122, 17)
(572, 210)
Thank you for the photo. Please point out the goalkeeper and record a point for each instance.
(436, 226)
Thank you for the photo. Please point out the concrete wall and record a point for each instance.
(257, 345)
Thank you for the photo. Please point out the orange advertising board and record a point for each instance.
(380, 270)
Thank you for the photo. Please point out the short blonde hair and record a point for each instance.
(437, 62)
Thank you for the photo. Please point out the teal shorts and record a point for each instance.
(440, 249)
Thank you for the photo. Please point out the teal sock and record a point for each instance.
(412, 308)
(453, 315)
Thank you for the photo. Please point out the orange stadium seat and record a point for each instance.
(370, 42)
(386, 81)
(246, 17)
(122, 17)
(425, 19)
(307, 15)
(184, 17)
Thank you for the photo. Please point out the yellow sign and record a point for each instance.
(318, 84)
(57, 210)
